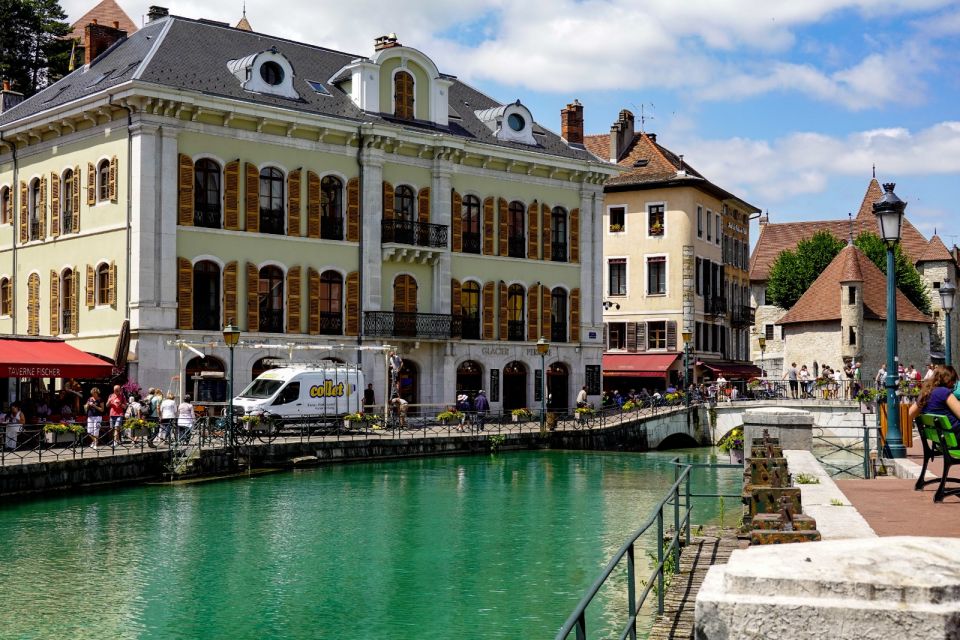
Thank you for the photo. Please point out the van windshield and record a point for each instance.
(260, 389)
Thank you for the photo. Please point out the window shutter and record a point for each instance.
(24, 217)
(606, 337)
(42, 208)
(33, 305)
(231, 196)
(251, 196)
(313, 301)
(456, 306)
(488, 311)
(504, 229)
(353, 210)
(388, 202)
(54, 205)
(574, 251)
(631, 336)
(532, 230)
(423, 205)
(230, 293)
(671, 335)
(113, 285)
(575, 315)
(184, 189)
(313, 205)
(253, 297)
(75, 205)
(503, 310)
(184, 294)
(641, 336)
(353, 303)
(546, 240)
(456, 219)
(293, 203)
(533, 312)
(546, 322)
(92, 184)
(293, 300)
(75, 300)
(54, 304)
(488, 222)
(91, 287)
(113, 179)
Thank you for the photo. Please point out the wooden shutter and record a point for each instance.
(631, 336)
(488, 222)
(92, 185)
(456, 306)
(546, 322)
(574, 249)
(533, 215)
(533, 312)
(313, 205)
(672, 335)
(488, 330)
(388, 201)
(184, 189)
(33, 305)
(75, 206)
(113, 179)
(231, 196)
(353, 210)
(293, 300)
(230, 293)
(546, 240)
(640, 336)
(503, 214)
(251, 196)
(184, 294)
(91, 287)
(54, 205)
(575, 315)
(24, 216)
(313, 301)
(456, 220)
(423, 205)
(112, 293)
(253, 297)
(54, 304)
(75, 300)
(503, 310)
(293, 203)
(353, 304)
(42, 208)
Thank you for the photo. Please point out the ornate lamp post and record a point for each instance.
(948, 293)
(542, 348)
(889, 212)
(687, 337)
(231, 336)
(762, 341)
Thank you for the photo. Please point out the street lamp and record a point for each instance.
(231, 336)
(542, 348)
(762, 340)
(948, 293)
(889, 212)
(687, 336)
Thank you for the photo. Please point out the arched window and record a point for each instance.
(206, 194)
(403, 89)
(271, 201)
(5, 210)
(331, 208)
(66, 201)
(206, 295)
(33, 208)
(103, 284)
(472, 242)
(271, 299)
(404, 203)
(6, 297)
(558, 234)
(264, 364)
(558, 315)
(68, 292)
(331, 303)
(517, 245)
(206, 379)
(515, 312)
(470, 309)
(103, 181)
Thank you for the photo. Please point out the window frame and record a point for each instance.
(103, 180)
(326, 208)
(33, 204)
(201, 312)
(6, 297)
(625, 262)
(709, 225)
(68, 295)
(623, 219)
(66, 200)
(658, 258)
(404, 194)
(660, 335)
(769, 331)
(272, 180)
(560, 217)
(409, 108)
(471, 215)
(558, 317)
(700, 221)
(6, 204)
(271, 292)
(201, 191)
(620, 330)
(102, 289)
(330, 299)
(649, 208)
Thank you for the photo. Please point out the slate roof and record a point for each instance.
(106, 13)
(821, 302)
(775, 238)
(936, 251)
(192, 55)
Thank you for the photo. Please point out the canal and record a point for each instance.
(458, 547)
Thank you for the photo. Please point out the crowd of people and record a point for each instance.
(847, 381)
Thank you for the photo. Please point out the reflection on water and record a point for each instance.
(482, 546)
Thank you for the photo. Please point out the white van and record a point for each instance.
(305, 390)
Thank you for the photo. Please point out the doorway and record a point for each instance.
(469, 378)
(558, 386)
(514, 386)
(408, 381)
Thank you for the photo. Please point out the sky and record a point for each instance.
(787, 104)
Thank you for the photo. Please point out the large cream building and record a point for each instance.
(191, 174)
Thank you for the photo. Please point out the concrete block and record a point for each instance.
(793, 427)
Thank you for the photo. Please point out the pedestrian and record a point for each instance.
(465, 407)
(117, 406)
(134, 412)
(168, 415)
(791, 376)
(482, 406)
(185, 418)
(15, 422)
(617, 398)
(582, 397)
(838, 385)
(94, 410)
(369, 399)
(722, 388)
(153, 415)
(400, 407)
(881, 378)
(929, 373)
(803, 381)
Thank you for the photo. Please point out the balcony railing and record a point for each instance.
(418, 234)
(471, 242)
(271, 320)
(66, 322)
(401, 324)
(331, 228)
(271, 221)
(209, 218)
(558, 252)
(470, 327)
(742, 315)
(714, 305)
(34, 229)
(331, 324)
(67, 223)
(558, 332)
(517, 247)
(515, 330)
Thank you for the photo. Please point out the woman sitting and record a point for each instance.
(936, 396)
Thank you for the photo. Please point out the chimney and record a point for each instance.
(386, 42)
(764, 219)
(8, 97)
(155, 13)
(98, 39)
(621, 135)
(571, 122)
(116, 24)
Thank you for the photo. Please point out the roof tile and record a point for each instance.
(106, 13)
(936, 251)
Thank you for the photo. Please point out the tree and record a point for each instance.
(907, 276)
(33, 50)
(793, 271)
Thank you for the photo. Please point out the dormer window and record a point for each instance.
(266, 72)
(509, 123)
(516, 122)
(403, 95)
(271, 72)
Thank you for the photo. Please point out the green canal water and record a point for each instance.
(458, 547)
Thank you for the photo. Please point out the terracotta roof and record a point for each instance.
(775, 238)
(598, 145)
(936, 251)
(105, 13)
(821, 302)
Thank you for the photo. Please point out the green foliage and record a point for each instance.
(908, 278)
(496, 441)
(836, 502)
(60, 427)
(805, 478)
(794, 271)
(449, 416)
(33, 52)
(733, 440)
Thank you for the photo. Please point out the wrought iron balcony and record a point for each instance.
(331, 228)
(742, 315)
(271, 320)
(470, 327)
(418, 234)
(34, 229)
(714, 305)
(471, 242)
(271, 221)
(398, 324)
(209, 218)
(558, 332)
(66, 322)
(515, 330)
(331, 324)
(558, 252)
(67, 222)
(517, 247)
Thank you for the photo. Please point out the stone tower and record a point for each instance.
(851, 306)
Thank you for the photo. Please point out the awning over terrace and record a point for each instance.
(33, 358)
(638, 365)
(733, 370)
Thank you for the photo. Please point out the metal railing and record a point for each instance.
(471, 242)
(419, 234)
(517, 247)
(470, 327)
(714, 305)
(331, 228)
(558, 332)
(331, 324)
(271, 320)
(35, 230)
(271, 221)
(207, 217)
(67, 321)
(515, 330)
(558, 252)
(410, 325)
(742, 315)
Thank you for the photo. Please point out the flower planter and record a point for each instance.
(54, 437)
(736, 456)
(139, 432)
(868, 407)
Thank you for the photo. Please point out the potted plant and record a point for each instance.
(62, 433)
(450, 417)
(732, 444)
(868, 400)
(616, 228)
(353, 419)
(521, 415)
(656, 229)
(137, 427)
(630, 405)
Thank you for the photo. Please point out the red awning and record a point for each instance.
(637, 365)
(48, 359)
(733, 370)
